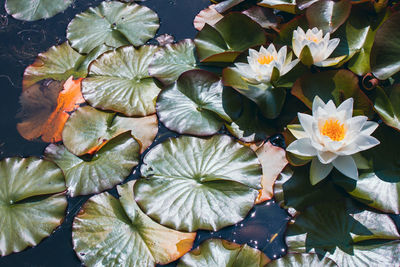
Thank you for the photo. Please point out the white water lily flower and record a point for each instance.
(261, 64)
(331, 135)
(321, 47)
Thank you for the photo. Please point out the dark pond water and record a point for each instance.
(20, 42)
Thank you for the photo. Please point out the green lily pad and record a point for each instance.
(108, 167)
(218, 252)
(36, 9)
(88, 129)
(283, 5)
(293, 189)
(119, 81)
(300, 260)
(193, 105)
(328, 15)
(173, 60)
(356, 39)
(228, 38)
(385, 53)
(388, 106)
(270, 100)
(114, 24)
(59, 63)
(32, 204)
(379, 184)
(109, 231)
(336, 85)
(248, 124)
(191, 183)
(347, 234)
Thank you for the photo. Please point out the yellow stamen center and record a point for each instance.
(313, 39)
(333, 129)
(265, 59)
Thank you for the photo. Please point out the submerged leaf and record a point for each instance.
(36, 9)
(193, 105)
(218, 252)
(109, 231)
(46, 107)
(108, 167)
(191, 183)
(88, 129)
(119, 81)
(31, 205)
(114, 24)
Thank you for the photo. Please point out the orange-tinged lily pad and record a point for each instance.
(46, 107)
(127, 235)
(273, 160)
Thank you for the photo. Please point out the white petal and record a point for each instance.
(331, 46)
(369, 127)
(300, 31)
(330, 108)
(326, 156)
(302, 147)
(347, 166)
(253, 53)
(286, 68)
(297, 47)
(319, 171)
(297, 131)
(365, 142)
(306, 122)
(317, 102)
(329, 62)
(355, 124)
(350, 149)
(347, 107)
(282, 55)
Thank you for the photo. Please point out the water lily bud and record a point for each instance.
(266, 65)
(314, 48)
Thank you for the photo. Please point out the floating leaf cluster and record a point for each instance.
(255, 69)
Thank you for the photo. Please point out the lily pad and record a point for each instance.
(228, 38)
(191, 183)
(119, 81)
(208, 16)
(385, 53)
(269, 99)
(193, 105)
(379, 184)
(218, 252)
(108, 167)
(31, 202)
(45, 108)
(300, 260)
(337, 85)
(88, 129)
(294, 190)
(58, 63)
(388, 106)
(356, 39)
(36, 9)
(328, 15)
(283, 5)
(273, 160)
(248, 124)
(114, 24)
(347, 234)
(172, 60)
(109, 231)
